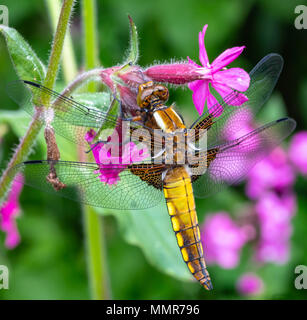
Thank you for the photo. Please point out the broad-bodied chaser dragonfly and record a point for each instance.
(225, 160)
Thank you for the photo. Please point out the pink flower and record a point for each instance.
(272, 173)
(274, 214)
(298, 151)
(111, 163)
(9, 211)
(223, 240)
(223, 81)
(250, 284)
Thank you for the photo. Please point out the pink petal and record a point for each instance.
(203, 57)
(213, 105)
(224, 91)
(235, 78)
(200, 92)
(226, 57)
(12, 238)
(90, 135)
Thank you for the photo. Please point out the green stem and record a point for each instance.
(57, 47)
(22, 151)
(90, 39)
(69, 64)
(96, 252)
(96, 258)
(82, 79)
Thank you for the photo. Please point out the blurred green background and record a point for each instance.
(50, 261)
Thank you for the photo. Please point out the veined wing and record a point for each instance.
(230, 162)
(68, 117)
(263, 80)
(82, 183)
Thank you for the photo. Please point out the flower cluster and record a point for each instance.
(269, 186)
(223, 240)
(9, 211)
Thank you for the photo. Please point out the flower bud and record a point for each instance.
(125, 80)
(176, 73)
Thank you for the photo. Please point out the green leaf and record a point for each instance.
(18, 120)
(151, 231)
(97, 100)
(134, 44)
(27, 65)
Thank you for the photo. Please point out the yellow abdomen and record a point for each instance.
(178, 192)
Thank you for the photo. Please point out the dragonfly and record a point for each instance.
(223, 161)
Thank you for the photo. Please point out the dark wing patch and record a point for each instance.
(150, 173)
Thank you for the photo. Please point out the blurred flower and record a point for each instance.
(237, 126)
(111, 162)
(223, 240)
(274, 215)
(272, 173)
(298, 151)
(223, 81)
(9, 211)
(250, 284)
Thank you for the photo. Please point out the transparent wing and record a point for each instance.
(263, 80)
(69, 118)
(82, 184)
(231, 161)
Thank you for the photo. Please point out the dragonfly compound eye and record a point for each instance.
(161, 92)
(144, 98)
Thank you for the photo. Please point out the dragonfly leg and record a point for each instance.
(136, 118)
(95, 145)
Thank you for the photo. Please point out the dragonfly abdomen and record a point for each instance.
(178, 192)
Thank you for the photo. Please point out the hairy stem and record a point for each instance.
(23, 149)
(57, 46)
(81, 79)
(69, 65)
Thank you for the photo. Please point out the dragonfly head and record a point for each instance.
(150, 94)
